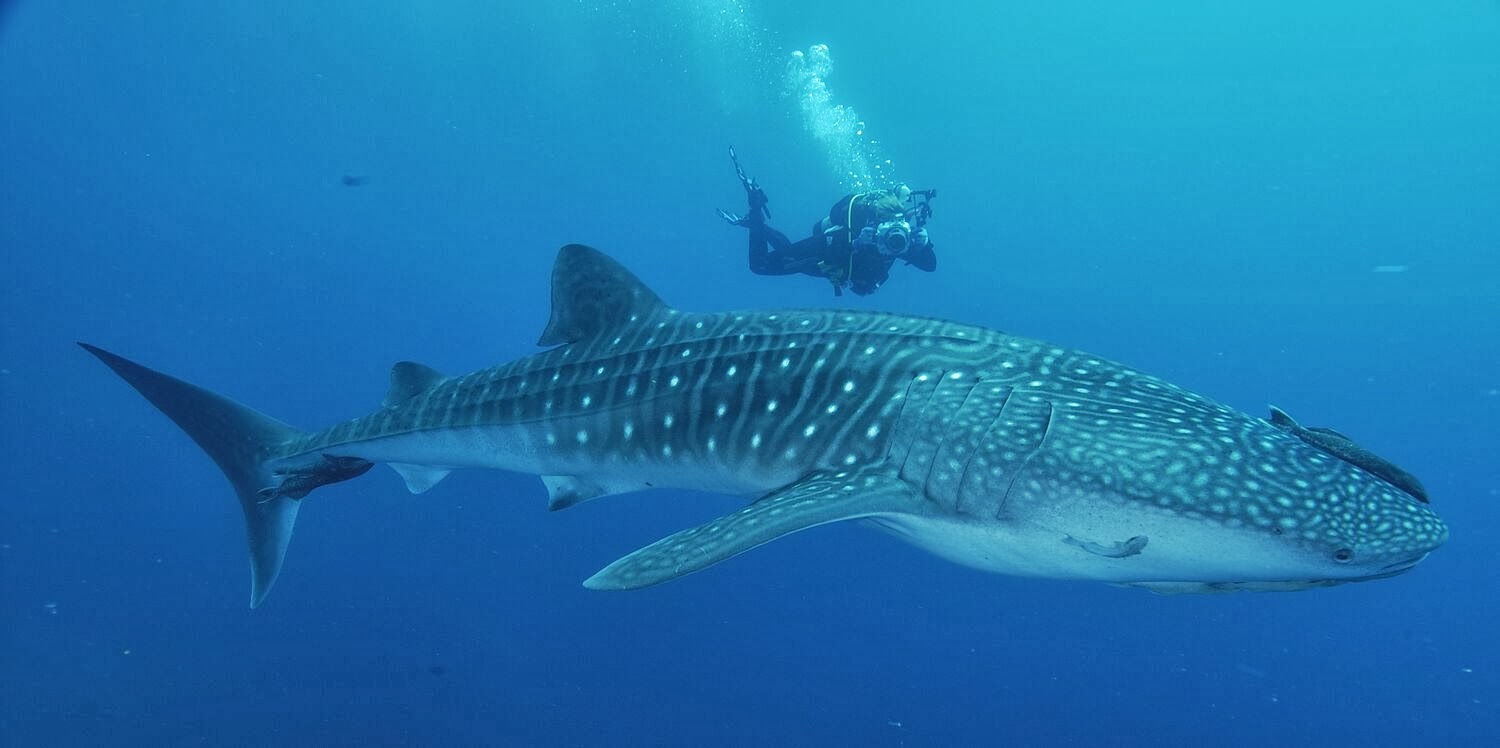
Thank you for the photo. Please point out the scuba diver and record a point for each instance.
(854, 247)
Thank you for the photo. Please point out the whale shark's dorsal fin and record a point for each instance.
(592, 294)
(409, 379)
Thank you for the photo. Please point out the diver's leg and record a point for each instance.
(763, 238)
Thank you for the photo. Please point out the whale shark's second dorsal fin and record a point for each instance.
(409, 379)
(592, 294)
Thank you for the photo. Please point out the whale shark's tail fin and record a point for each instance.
(241, 441)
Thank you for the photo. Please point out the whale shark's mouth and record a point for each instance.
(1201, 588)
(1290, 585)
(1399, 567)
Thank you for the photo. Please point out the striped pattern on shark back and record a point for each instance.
(996, 451)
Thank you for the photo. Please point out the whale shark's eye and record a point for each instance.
(1343, 555)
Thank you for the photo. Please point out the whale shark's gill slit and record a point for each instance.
(973, 484)
(1031, 453)
(938, 483)
(897, 432)
(909, 425)
(1046, 426)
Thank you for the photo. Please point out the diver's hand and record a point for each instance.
(731, 218)
(866, 237)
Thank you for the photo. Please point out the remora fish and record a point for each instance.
(995, 451)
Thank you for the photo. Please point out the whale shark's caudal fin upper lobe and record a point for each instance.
(241, 441)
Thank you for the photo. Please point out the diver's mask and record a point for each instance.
(893, 237)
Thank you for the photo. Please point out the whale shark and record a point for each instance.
(998, 452)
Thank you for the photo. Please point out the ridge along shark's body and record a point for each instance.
(995, 451)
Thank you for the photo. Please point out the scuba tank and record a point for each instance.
(855, 211)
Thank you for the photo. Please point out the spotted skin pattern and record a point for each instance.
(996, 451)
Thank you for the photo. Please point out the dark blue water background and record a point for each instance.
(1282, 202)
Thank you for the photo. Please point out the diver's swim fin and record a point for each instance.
(731, 218)
(756, 195)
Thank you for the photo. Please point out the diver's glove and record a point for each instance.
(919, 239)
(866, 237)
(733, 219)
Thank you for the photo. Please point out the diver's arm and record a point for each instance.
(922, 258)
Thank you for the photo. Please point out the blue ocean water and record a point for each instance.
(1266, 202)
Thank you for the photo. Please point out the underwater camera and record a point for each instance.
(892, 237)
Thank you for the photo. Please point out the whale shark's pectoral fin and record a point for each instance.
(815, 500)
(1117, 549)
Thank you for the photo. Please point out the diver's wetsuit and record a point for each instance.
(834, 257)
